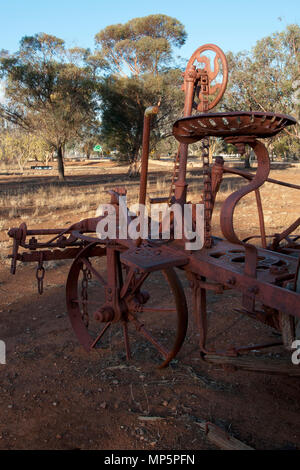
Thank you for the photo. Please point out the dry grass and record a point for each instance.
(53, 198)
(55, 206)
(50, 198)
(281, 207)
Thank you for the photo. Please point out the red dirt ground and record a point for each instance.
(54, 395)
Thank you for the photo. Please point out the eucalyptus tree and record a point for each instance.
(139, 56)
(268, 79)
(50, 91)
(141, 45)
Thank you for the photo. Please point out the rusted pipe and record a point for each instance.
(151, 111)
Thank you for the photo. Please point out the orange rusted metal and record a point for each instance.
(268, 278)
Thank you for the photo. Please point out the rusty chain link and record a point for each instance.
(207, 192)
(40, 274)
(87, 276)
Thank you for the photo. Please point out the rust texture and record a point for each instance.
(267, 276)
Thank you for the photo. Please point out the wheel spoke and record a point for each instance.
(141, 329)
(119, 268)
(137, 284)
(127, 283)
(93, 270)
(140, 282)
(100, 335)
(151, 309)
(92, 302)
(134, 303)
(164, 352)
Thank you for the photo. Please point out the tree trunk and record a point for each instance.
(247, 161)
(247, 156)
(133, 170)
(60, 164)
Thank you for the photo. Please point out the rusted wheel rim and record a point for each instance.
(72, 294)
(136, 314)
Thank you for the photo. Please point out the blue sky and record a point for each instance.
(233, 24)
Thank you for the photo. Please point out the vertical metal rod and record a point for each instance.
(100, 335)
(152, 110)
(261, 219)
(181, 184)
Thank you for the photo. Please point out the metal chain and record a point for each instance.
(207, 193)
(204, 93)
(40, 274)
(87, 276)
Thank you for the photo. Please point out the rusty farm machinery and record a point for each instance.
(109, 278)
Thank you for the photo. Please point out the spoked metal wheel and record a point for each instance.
(103, 294)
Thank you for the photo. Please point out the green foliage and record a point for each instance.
(123, 103)
(50, 91)
(266, 79)
(138, 53)
(54, 95)
(18, 147)
(142, 44)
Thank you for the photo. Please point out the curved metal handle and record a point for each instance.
(228, 207)
(205, 76)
